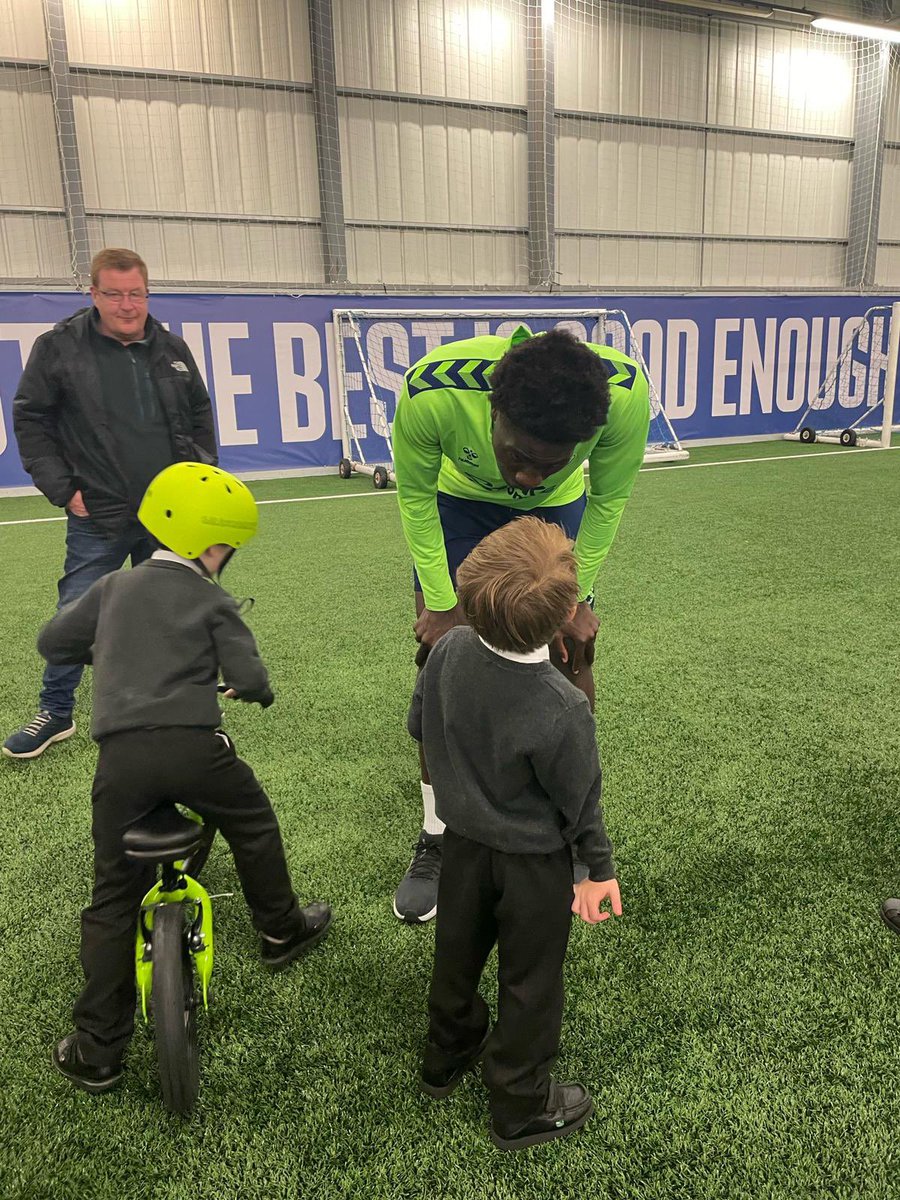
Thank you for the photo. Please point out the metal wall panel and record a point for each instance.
(658, 176)
(632, 263)
(169, 146)
(638, 264)
(422, 163)
(790, 80)
(772, 265)
(465, 49)
(887, 272)
(210, 252)
(34, 247)
(678, 67)
(183, 147)
(892, 110)
(778, 189)
(22, 29)
(435, 259)
(29, 160)
(259, 38)
(889, 222)
(633, 61)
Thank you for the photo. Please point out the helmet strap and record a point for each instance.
(215, 576)
(226, 561)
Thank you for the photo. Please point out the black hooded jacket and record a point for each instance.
(62, 424)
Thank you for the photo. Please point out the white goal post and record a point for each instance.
(359, 327)
(866, 431)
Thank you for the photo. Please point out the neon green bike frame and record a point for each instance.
(188, 892)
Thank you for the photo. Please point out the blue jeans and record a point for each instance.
(90, 554)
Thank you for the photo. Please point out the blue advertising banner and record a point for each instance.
(724, 366)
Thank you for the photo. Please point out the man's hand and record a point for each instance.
(76, 505)
(589, 896)
(431, 626)
(581, 631)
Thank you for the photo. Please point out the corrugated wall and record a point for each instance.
(662, 160)
(459, 173)
(690, 151)
(888, 261)
(265, 39)
(32, 244)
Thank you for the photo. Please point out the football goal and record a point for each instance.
(863, 378)
(374, 347)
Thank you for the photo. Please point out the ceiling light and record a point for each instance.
(852, 29)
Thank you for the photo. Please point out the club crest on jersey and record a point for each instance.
(469, 456)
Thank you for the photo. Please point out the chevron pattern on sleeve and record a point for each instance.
(466, 374)
(622, 374)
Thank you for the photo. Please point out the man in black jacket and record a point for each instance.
(107, 400)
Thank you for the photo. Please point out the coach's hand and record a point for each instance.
(431, 626)
(580, 633)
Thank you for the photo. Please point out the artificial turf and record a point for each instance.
(737, 1026)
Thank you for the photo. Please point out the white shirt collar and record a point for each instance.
(542, 654)
(169, 556)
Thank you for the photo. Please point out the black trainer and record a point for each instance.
(415, 900)
(569, 1105)
(280, 953)
(68, 1061)
(439, 1084)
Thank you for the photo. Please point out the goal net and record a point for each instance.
(375, 347)
(854, 405)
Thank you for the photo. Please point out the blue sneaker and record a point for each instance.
(33, 739)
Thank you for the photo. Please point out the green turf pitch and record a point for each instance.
(737, 1026)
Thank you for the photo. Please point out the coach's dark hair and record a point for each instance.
(552, 387)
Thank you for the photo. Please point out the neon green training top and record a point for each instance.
(442, 442)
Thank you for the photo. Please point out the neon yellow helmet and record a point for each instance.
(190, 507)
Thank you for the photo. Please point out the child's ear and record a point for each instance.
(572, 611)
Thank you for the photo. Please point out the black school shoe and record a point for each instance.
(317, 920)
(569, 1105)
(890, 914)
(68, 1061)
(439, 1084)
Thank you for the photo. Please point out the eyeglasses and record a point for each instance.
(136, 297)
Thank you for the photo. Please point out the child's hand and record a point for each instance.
(264, 699)
(590, 895)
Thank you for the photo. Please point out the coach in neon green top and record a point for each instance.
(490, 428)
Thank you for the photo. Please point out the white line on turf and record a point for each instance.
(337, 496)
(676, 466)
(285, 500)
(731, 462)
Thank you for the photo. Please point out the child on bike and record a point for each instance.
(511, 748)
(159, 637)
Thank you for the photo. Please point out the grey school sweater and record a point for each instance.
(158, 637)
(511, 748)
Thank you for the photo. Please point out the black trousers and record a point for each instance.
(136, 772)
(523, 903)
